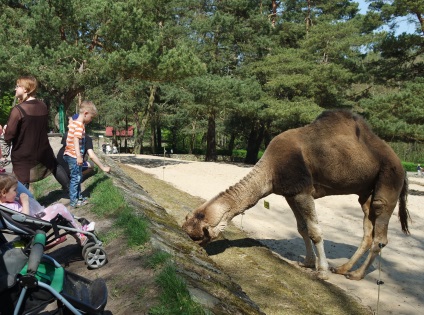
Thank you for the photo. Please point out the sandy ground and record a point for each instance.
(400, 265)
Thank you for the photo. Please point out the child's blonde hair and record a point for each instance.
(7, 181)
(88, 106)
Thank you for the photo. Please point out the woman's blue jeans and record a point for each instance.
(75, 171)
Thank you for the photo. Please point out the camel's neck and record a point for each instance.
(246, 193)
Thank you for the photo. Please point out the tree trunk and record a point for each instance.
(211, 139)
(153, 143)
(141, 127)
(254, 143)
(192, 138)
(138, 140)
(231, 143)
(158, 134)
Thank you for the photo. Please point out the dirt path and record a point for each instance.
(401, 262)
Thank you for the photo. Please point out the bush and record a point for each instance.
(409, 166)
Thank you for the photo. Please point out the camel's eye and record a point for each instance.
(200, 216)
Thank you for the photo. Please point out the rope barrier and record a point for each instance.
(241, 221)
(379, 282)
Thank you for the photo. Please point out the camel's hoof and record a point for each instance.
(323, 275)
(353, 276)
(339, 271)
(306, 265)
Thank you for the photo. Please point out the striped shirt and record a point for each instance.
(75, 129)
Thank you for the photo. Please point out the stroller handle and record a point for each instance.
(37, 251)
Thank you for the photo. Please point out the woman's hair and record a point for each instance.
(30, 84)
(7, 181)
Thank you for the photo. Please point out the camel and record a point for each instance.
(337, 154)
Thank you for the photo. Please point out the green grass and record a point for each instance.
(158, 259)
(107, 201)
(175, 298)
(106, 198)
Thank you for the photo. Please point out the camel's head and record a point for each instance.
(205, 223)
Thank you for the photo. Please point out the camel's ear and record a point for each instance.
(200, 216)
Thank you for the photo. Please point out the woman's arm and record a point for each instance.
(12, 125)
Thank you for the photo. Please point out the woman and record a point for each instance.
(31, 155)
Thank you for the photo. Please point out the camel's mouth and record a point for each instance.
(203, 239)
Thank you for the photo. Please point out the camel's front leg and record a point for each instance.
(302, 228)
(366, 240)
(303, 207)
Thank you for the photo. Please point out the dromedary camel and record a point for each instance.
(337, 154)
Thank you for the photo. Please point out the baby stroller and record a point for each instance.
(30, 280)
(24, 227)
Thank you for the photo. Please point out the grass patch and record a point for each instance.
(175, 298)
(106, 199)
(40, 187)
(135, 227)
(157, 259)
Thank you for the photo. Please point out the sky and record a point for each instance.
(404, 26)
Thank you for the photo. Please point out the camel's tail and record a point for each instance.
(403, 210)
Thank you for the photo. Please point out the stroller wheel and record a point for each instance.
(95, 257)
(86, 246)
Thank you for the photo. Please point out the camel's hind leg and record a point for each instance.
(381, 210)
(303, 207)
(366, 239)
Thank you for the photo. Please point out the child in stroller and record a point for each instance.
(30, 280)
(56, 217)
(8, 193)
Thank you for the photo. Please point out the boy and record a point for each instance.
(87, 167)
(74, 151)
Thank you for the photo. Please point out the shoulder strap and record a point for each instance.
(21, 110)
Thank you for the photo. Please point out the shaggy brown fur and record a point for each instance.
(337, 154)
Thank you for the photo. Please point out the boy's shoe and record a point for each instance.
(82, 201)
(79, 203)
(74, 204)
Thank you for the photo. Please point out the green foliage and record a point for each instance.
(409, 166)
(6, 102)
(220, 70)
(239, 153)
(413, 151)
(175, 298)
(398, 115)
